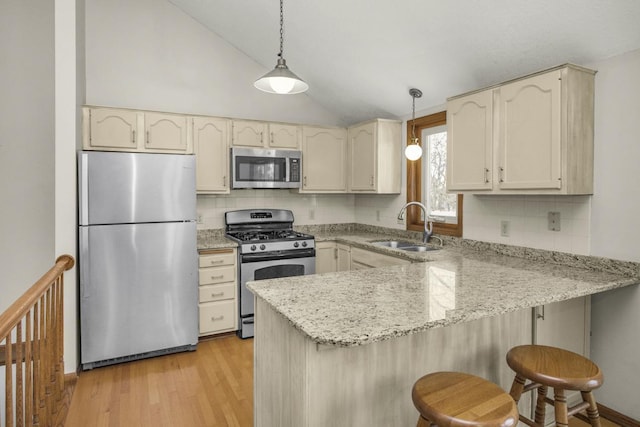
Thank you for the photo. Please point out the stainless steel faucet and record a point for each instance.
(428, 225)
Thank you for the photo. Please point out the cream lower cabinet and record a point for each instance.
(113, 129)
(218, 303)
(362, 258)
(540, 138)
(344, 257)
(374, 157)
(211, 146)
(326, 257)
(324, 160)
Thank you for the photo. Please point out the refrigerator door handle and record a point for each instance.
(84, 188)
(85, 266)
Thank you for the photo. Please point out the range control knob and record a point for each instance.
(296, 244)
(304, 244)
(253, 247)
(262, 247)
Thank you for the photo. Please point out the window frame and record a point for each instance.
(414, 181)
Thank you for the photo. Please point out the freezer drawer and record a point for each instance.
(138, 289)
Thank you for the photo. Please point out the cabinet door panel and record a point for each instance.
(165, 132)
(325, 257)
(362, 146)
(470, 145)
(324, 153)
(113, 129)
(284, 136)
(248, 134)
(530, 133)
(211, 143)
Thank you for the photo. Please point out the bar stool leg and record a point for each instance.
(517, 387)
(541, 405)
(592, 411)
(560, 405)
(423, 422)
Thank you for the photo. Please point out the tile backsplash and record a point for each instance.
(307, 208)
(528, 221)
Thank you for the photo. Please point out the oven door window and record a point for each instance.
(275, 271)
(268, 169)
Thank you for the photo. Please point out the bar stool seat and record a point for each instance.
(456, 399)
(563, 370)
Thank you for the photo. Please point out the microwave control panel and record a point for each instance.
(294, 175)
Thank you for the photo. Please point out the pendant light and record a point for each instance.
(281, 80)
(413, 150)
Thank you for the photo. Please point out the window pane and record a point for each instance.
(440, 205)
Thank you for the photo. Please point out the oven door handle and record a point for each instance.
(278, 255)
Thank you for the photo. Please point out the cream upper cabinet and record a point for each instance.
(324, 160)
(469, 142)
(247, 133)
(529, 133)
(284, 136)
(166, 133)
(374, 157)
(111, 129)
(541, 135)
(211, 143)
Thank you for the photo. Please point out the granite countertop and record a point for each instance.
(459, 283)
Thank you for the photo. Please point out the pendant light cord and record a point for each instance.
(281, 29)
(413, 121)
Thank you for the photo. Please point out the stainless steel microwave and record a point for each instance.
(265, 168)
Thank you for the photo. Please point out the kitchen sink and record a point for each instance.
(396, 244)
(405, 246)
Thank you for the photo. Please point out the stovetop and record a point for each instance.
(265, 230)
(269, 235)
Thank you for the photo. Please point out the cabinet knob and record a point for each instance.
(213, 319)
(501, 174)
(486, 175)
(372, 180)
(148, 140)
(216, 261)
(216, 294)
(133, 138)
(220, 276)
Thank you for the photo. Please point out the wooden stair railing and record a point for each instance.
(31, 351)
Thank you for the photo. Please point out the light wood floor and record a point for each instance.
(212, 386)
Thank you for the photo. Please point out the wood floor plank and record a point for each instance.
(212, 386)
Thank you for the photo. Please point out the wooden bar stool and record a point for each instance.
(456, 399)
(563, 370)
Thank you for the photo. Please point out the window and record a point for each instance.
(426, 179)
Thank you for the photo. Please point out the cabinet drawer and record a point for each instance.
(210, 276)
(218, 316)
(215, 260)
(217, 292)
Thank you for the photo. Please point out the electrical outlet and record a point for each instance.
(553, 219)
(378, 215)
(400, 221)
(504, 228)
(312, 214)
(199, 220)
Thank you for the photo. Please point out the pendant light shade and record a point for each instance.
(281, 80)
(414, 150)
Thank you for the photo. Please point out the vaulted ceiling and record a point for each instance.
(361, 57)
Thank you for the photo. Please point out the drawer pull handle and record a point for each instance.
(221, 317)
(220, 276)
(217, 294)
(216, 261)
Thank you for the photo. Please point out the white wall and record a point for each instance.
(26, 145)
(615, 233)
(148, 54)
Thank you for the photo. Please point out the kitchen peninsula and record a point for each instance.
(343, 349)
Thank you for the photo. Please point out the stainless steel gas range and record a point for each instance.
(268, 248)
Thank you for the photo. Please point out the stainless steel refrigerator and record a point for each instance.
(137, 256)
